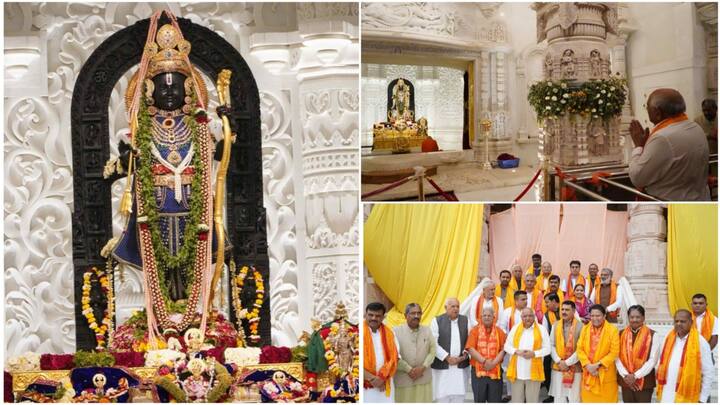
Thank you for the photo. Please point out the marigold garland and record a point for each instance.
(330, 355)
(252, 316)
(105, 280)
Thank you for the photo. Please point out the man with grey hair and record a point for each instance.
(608, 295)
(450, 332)
(413, 379)
(487, 299)
(671, 160)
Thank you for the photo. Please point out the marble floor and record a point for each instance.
(469, 182)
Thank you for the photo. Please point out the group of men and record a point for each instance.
(532, 330)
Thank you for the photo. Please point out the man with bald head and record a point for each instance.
(671, 160)
(684, 373)
(526, 344)
(450, 331)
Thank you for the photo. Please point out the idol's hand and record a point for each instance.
(224, 111)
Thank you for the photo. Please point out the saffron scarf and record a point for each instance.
(592, 285)
(565, 349)
(488, 345)
(541, 282)
(513, 284)
(388, 368)
(537, 373)
(669, 121)
(613, 297)
(707, 325)
(634, 355)
(570, 287)
(511, 321)
(481, 304)
(596, 343)
(687, 388)
(509, 301)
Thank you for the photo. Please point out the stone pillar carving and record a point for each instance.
(625, 29)
(328, 105)
(645, 261)
(708, 15)
(484, 107)
(578, 52)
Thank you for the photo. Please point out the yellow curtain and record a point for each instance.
(692, 256)
(423, 253)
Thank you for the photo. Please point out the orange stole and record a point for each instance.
(511, 321)
(590, 341)
(668, 121)
(388, 368)
(613, 297)
(592, 286)
(479, 307)
(509, 301)
(537, 372)
(634, 355)
(687, 388)
(565, 350)
(488, 345)
(707, 325)
(569, 285)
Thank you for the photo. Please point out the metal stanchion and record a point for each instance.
(420, 177)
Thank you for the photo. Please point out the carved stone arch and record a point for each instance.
(92, 218)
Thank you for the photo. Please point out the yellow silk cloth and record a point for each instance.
(423, 253)
(604, 387)
(692, 258)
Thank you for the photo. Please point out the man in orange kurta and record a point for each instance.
(598, 347)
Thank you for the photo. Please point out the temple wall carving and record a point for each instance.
(309, 147)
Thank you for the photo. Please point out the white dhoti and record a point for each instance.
(560, 392)
(450, 384)
(371, 395)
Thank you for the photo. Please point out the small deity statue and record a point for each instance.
(567, 62)
(422, 127)
(99, 382)
(400, 108)
(343, 346)
(548, 66)
(195, 386)
(282, 389)
(195, 342)
(595, 64)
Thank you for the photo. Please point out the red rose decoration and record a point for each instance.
(144, 226)
(129, 359)
(201, 117)
(203, 235)
(164, 370)
(273, 354)
(57, 361)
(217, 353)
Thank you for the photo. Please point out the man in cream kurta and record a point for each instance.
(450, 369)
(524, 389)
(671, 161)
(413, 379)
(683, 322)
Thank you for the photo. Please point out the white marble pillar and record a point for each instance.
(646, 261)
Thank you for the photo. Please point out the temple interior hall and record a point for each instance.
(460, 101)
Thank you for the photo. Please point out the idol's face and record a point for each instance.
(169, 91)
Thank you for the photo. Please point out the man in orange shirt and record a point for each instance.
(485, 347)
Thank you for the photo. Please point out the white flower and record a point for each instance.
(594, 110)
(554, 98)
(612, 88)
(563, 85)
(600, 102)
(161, 357)
(603, 91)
(555, 90)
(547, 98)
(549, 83)
(562, 101)
(566, 95)
(242, 356)
(548, 108)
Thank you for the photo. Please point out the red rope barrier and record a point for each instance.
(386, 188)
(445, 195)
(527, 188)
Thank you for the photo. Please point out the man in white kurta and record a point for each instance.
(700, 311)
(571, 328)
(450, 370)
(489, 300)
(511, 316)
(682, 328)
(524, 389)
(374, 314)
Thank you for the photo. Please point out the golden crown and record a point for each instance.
(168, 53)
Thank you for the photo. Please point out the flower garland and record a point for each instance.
(598, 98)
(105, 280)
(253, 316)
(330, 355)
(185, 257)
